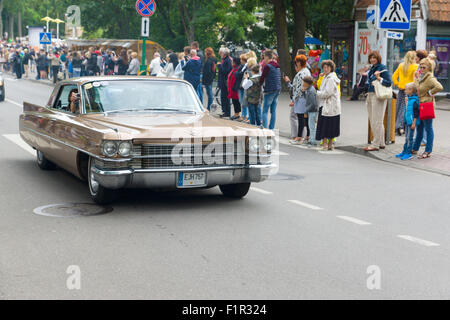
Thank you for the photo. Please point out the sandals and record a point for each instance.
(425, 155)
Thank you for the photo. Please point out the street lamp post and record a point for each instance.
(57, 21)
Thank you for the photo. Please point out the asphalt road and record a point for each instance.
(311, 232)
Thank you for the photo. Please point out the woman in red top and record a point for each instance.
(233, 89)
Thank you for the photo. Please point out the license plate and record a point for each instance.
(191, 179)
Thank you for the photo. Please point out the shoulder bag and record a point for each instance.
(426, 110)
(382, 92)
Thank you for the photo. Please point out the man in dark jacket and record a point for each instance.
(196, 47)
(224, 70)
(271, 78)
(192, 70)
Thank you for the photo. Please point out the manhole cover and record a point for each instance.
(71, 210)
(282, 176)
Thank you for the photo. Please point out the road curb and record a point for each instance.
(376, 156)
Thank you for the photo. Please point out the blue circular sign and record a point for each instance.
(146, 8)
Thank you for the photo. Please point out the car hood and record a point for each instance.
(167, 126)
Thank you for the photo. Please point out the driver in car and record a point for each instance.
(74, 102)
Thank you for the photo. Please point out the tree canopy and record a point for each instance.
(176, 23)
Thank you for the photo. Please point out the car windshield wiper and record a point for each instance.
(149, 109)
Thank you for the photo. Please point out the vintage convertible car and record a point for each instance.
(143, 132)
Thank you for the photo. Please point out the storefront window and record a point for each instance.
(397, 49)
(440, 46)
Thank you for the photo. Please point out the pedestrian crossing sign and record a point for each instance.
(394, 14)
(45, 38)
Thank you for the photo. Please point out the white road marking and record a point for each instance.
(15, 138)
(261, 191)
(14, 103)
(334, 152)
(419, 241)
(280, 153)
(306, 205)
(354, 220)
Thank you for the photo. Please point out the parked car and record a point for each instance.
(2, 88)
(142, 132)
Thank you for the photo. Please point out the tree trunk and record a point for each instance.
(19, 23)
(299, 7)
(11, 27)
(282, 36)
(1, 19)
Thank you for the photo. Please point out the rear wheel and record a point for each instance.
(236, 191)
(43, 162)
(99, 194)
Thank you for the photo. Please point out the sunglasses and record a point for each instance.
(423, 67)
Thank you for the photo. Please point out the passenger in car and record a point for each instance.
(74, 102)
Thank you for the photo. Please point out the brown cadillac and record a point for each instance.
(143, 132)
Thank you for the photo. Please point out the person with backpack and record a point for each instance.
(271, 78)
(254, 94)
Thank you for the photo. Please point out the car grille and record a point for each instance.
(157, 156)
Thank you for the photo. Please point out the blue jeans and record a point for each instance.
(312, 118)
(253, 110)
(76, 72)
(409, 140)
(209, 92)
(425, 125)
(241, 101)
(200, 92)
(270, 103)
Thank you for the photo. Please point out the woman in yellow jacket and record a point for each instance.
(401, 77)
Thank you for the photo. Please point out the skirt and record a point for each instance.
(400, 110)
(328, 127)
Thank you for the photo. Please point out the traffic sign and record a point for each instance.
(371, 17)
(45, 38)
(394, 14)
(146, 8)
(394, 35)
(145, 29)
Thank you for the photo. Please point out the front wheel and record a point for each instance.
(43, 162)
(236, 191)
(99, 194)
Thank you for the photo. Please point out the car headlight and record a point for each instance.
(253, 145)
(110, 148)
(125, 149)
(269, 145)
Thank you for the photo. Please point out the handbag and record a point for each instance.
(427, 111)
(382, 92)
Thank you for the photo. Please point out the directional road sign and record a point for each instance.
(146, 8)
(394, 14)
(394, 35)
(45, 38)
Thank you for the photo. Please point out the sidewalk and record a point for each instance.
(354, 127)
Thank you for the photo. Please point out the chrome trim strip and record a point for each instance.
(132, 171)
(76, 148)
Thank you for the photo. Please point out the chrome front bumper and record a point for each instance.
(167, 178)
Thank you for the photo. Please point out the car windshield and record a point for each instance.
(116, 96)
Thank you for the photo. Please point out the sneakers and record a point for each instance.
(400, 155)
(407, 157)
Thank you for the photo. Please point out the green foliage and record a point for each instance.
(211, 22)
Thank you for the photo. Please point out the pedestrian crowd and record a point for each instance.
(415, 101)
(253, 87)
